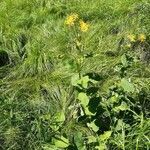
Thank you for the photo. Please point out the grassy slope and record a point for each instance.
(32, 32)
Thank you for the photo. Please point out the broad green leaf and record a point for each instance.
(113, 99)
(61, 143)
(49, 147)
(105, 136)
(126, 85)
(78, 138)
(60, 116)
(102, 146)
(87, 112)
(75, 79)
(83, 99)
(91, 139)
(122, 107)
(84, 81)
(55, 127)
(93, 126)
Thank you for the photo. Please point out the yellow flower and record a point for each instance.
(70, 20)
(142, 38)
(83, 26)
(131, 37)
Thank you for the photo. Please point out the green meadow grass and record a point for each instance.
(35, 76)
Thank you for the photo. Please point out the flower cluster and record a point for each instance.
(74, 18)
(131, 37)
(70, 20)
(83, 26)
(142, 38)
(134, 38)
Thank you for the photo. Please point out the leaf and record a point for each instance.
(55, 127)
(93, 126)
(79, 140)
(83, 99)
(119, 125)
(122, 107)
(113, 99)
(87, 112)
(105, 136)
(61, 143)
(84, 81)
(102, 146)
(49, 147)
(75, 79)
(126, 85)
(124, 60)
(91, 139)
(60, 116)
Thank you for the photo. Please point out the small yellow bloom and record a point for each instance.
(131, 37)
(142, 38)
(83, 26)
(70, 20)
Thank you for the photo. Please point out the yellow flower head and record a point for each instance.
(142, 38)
(70, 20)
(83, 26)
(131, 37)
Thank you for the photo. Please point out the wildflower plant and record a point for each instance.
(76, 27)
